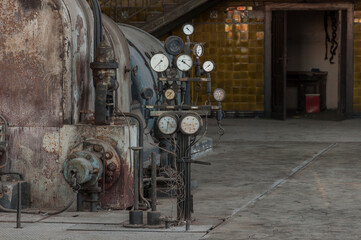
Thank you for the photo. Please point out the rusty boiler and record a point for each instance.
(58, 94)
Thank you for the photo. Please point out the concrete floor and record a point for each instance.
(297, 179)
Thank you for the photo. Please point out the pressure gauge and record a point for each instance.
(159, 62)
(198, 50)
(174, 45)
(184, 62)
(169, 94)
(188, 29)
(208, 66)
(191, 124)
(167, 124)
(219, 94)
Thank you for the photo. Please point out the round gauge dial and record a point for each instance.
(208, 66)
(169, 94)
(159, 62)
(188, 29)
(191, 124)
(198, 50)
(174, 45)
(167, 124)
(184, 62)
(219, 94)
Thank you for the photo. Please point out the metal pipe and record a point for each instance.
(136, 182)
(154, 182)
(18, 213)
(98, 23)
(94, 201)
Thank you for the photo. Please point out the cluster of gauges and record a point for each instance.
(174, 46)
(189, 124)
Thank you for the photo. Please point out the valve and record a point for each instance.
(104, 75)
(82, 168)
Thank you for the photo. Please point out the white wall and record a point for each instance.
(306, 50)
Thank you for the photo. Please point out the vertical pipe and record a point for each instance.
(93, 203)
(18, 212)
(79, 203)
(154, 182)
(136, 182)
(138, 165)
(187, 50)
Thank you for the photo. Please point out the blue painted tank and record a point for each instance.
(142, 47)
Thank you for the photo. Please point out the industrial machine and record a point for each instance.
(65, 79)
(179, 121)
(65, 109)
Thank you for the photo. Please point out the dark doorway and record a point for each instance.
(295, 64)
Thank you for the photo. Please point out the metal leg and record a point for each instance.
(94, 201)
(18, 212)
(79, 203)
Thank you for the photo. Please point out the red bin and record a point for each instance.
(312, 103)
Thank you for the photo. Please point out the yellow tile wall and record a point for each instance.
(239, 65)
(239, 62)
(357, 62)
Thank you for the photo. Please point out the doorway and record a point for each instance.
(295, 65)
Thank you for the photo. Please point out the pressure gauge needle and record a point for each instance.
(186, 63)
(158, 63)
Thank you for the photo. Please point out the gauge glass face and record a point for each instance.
(167, 124)
(159, 62)
(184, 62)
(208, 66)
(198, 50)
(190, 124)
(169, 94)
(174, 45)
(219, 94)
(188, 29)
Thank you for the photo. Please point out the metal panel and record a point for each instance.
(31, 51)
(79, 89)
(142, 46)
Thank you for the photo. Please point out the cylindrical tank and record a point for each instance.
(47, 93)
(142, 47)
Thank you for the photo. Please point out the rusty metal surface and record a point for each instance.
(78, 85)
(120, 194)
(46, 47)
(30, 63)
(115, 38)
(35, 153)
(39, 153)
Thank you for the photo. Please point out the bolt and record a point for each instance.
(112, 166)
(108, 155)
(110, 174)
(97, 148)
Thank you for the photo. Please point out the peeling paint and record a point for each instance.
(51, 142)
